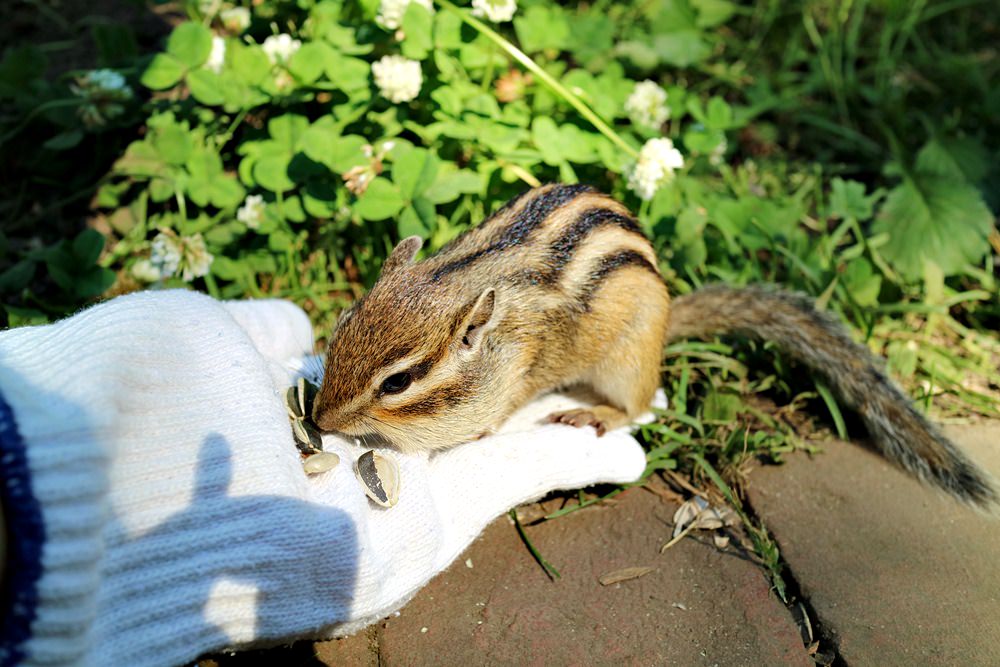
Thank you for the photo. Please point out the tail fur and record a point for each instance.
(818, 340)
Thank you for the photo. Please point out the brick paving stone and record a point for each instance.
(699, 606)
(899, 573)
(360, 650)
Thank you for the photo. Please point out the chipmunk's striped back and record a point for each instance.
(559, 237)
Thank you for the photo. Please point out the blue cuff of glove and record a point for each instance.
(25, 537)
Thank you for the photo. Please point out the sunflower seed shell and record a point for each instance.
(379, 475)
(292, 403)
(307, 438)
(300, 387)
(307, 396)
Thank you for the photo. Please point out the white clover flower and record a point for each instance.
(656, 164)
(719, 152)
(197, 258)
(104, 92)
(145, 271)
(391, 12)
(398, 78)
(279, 48)
(497, 11)
(646, 105)
(187, 254)
(217, 57)
(165, 256)
(252, 212)
(235, 19)
(107, 80)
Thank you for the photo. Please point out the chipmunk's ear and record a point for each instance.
(474, 325)
(402, 254)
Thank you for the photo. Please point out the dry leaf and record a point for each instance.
(624, 575)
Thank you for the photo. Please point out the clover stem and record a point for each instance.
(546, 78)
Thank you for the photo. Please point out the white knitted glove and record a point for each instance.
(149, 468)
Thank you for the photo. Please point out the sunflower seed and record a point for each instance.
(307, 438)
(301, 387)
(292, 403)
(320, 462)
(308, 398)
(379, 473)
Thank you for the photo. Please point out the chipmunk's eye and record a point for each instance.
(396, 383)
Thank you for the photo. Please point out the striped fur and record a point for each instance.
(558, 258)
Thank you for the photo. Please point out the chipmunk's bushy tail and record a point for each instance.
(817, 339)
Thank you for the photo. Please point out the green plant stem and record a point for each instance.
(212, 286)
(520, 172)
(831, 405)
(552, 572)
(37, 111)
(585, 503)
(490, 68)
(228, 134)
(546, 78)
(716, 478)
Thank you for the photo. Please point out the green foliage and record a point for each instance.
(847, 150)
(937, 215)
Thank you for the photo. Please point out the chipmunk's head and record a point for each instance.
(406, 362)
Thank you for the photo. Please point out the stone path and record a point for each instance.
(894, 575)
(899, 574)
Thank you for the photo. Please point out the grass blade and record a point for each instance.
(831, 405)
(550, 571)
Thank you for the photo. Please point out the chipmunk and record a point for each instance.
(560, 287)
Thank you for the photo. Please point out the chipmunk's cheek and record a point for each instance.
(397, 417)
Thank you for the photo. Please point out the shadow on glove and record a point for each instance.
(248, 570)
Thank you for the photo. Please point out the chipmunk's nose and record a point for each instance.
(329, 418)
(325, 418)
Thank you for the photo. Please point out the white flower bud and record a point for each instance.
(107, 80)
(188, 254)
(197, 259)
(391, 12)
(235, 19)
(398, 78)
(217, 57)
(646, 105)
(103, 91)
(656, 164)
(252, 212)
(145, 271)
(279, 48)
(165, 255)
(497, 11)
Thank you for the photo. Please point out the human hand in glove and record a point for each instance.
(157, 507)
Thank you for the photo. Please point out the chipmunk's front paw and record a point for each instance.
(579, 418)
